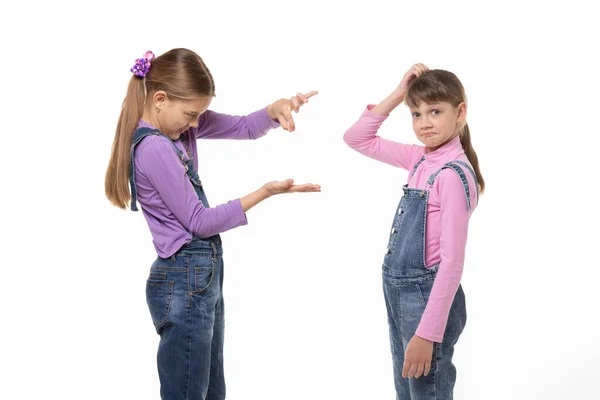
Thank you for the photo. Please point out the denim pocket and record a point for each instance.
(424, 290)
(203, 277)
(159, 294)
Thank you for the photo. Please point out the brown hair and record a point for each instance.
(435, 86)
(182, 74)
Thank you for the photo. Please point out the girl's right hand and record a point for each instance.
(396, 98)
(414, 72)
(273, 188)
(287, 186)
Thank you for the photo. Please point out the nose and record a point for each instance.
(194, 123)
(425, 123)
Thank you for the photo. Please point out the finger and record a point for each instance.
(283, 122)
(302, 98)
(295, 103)
(288, 116)
(419, 69)
(307, 187)
(427, 368)
(405, 369)
(413, 370)
(420, 369)
(311, 94)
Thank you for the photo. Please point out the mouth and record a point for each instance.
(428, 134)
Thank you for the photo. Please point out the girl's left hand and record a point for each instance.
(417, 358)
(288, 186)
(281, 110)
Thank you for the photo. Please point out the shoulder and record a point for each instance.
(154, 150)
(456, 182)
(153, 144)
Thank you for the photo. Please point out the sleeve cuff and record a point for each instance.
(429, 336)
(239, 214)
(270, 122)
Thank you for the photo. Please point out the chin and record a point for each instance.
(429, 142)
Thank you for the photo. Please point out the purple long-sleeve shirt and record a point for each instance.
(167, 198)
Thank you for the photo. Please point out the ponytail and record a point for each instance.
(465, 141)
(116, 183)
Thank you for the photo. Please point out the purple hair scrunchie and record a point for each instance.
(142, 65)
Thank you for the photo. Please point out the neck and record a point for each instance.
(150, 115)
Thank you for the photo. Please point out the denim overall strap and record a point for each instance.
(453, 165)
(468, 167)
(195, 179)
(138, 135)
(415, 167)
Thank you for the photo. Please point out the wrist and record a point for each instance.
(397, 96)
(423, 339)
(264, 193)
(271, 112)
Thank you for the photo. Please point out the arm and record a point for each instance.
(454, 218)
(159, 163)
(213, 125)
(362, 137)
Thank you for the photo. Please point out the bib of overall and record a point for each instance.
(184, 295)
(407, 283)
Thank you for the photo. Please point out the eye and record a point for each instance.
(190, 115)
(435, 112)
(416, 115)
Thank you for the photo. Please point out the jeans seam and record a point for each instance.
(168, 301)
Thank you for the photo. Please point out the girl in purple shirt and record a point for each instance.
(154, 161)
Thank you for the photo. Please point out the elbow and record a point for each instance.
(200, 226)
(349, 138)
(251, 130)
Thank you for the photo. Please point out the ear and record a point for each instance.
(159, 99)
(462, 114)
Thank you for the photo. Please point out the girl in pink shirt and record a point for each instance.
(424, 260)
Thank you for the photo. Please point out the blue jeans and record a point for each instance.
(184, 295)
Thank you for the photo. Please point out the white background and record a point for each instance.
(305, 311)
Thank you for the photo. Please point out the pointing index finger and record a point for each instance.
(311, 94)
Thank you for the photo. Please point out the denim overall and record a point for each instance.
(407, 284)
(184, 295)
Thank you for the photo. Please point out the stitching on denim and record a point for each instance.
(425, 226)
(166, 268)
(421, 297)
(212, 277)
(157, 276)
(168, 301)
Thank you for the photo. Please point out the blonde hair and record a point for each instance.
(180, 73)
